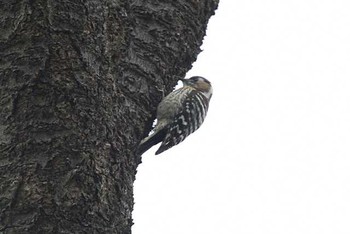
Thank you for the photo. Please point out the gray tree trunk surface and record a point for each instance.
(79, 84)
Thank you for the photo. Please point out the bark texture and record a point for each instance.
(79, 85)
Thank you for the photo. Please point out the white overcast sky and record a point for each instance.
(273, 155)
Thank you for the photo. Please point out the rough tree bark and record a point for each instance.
(79, 84)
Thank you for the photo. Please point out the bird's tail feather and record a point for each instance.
(150, 141)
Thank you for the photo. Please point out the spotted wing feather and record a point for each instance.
(188, 120)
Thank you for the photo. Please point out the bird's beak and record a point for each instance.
(184, 81)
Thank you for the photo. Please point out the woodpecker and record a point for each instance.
(179, 114)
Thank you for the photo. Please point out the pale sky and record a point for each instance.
(273, 155)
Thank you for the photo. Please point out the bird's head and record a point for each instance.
(201, 84)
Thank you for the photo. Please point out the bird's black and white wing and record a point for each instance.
(185, 122)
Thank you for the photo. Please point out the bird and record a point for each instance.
(179, 114)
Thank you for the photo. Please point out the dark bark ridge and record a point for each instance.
(79, 84)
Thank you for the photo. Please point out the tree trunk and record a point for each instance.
(79, 85)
